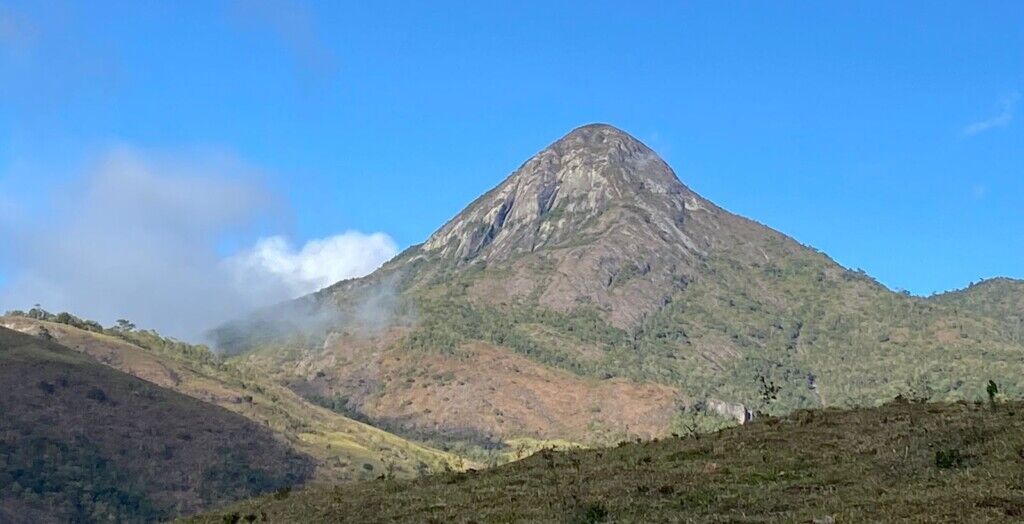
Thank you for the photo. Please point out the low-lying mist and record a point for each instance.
(308, 321)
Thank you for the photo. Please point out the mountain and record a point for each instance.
(339, 449)
(591, 296)
(901, 462)
(80, 442)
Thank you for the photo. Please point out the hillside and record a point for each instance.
(342, 449)
(80, 442)
(903, 461)
(999, 298)
(592, 296)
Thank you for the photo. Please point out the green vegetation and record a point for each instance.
(998, 298)
(785, 323)
(449, 322)
(903, 461)
(73, 480)
(127, 331)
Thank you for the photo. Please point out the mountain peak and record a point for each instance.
(562, 191)
(597, 129)
(603, 143)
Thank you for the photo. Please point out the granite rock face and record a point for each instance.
(598, 219)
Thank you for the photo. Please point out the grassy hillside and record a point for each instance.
(80, 442)
(944, 462)
(343, 449)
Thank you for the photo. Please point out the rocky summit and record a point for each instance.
(595, 206)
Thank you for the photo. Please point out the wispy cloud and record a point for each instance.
(1006, 107)
(139, 239)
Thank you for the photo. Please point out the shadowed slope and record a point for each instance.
(343, 449)
(82, 442)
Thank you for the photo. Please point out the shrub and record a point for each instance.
(591, 513)
(992, 391)
(96, 394)
(948, 458)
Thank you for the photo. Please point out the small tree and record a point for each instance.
(124, 326)
(769, 391)
(992, 391)
(37, 312)
(44, 333)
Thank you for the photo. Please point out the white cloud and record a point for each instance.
(318, 264)
(138, 238)
(1006, 106)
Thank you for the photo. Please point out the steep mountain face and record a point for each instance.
(608, 221)
(597, 204)
(593, 269)
(80, 442)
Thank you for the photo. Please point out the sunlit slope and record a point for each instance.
(1001, 299)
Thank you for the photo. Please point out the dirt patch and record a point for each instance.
(493, 392)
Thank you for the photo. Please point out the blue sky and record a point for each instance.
(886, 134)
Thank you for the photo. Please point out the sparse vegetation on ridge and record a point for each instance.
(903, 461)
